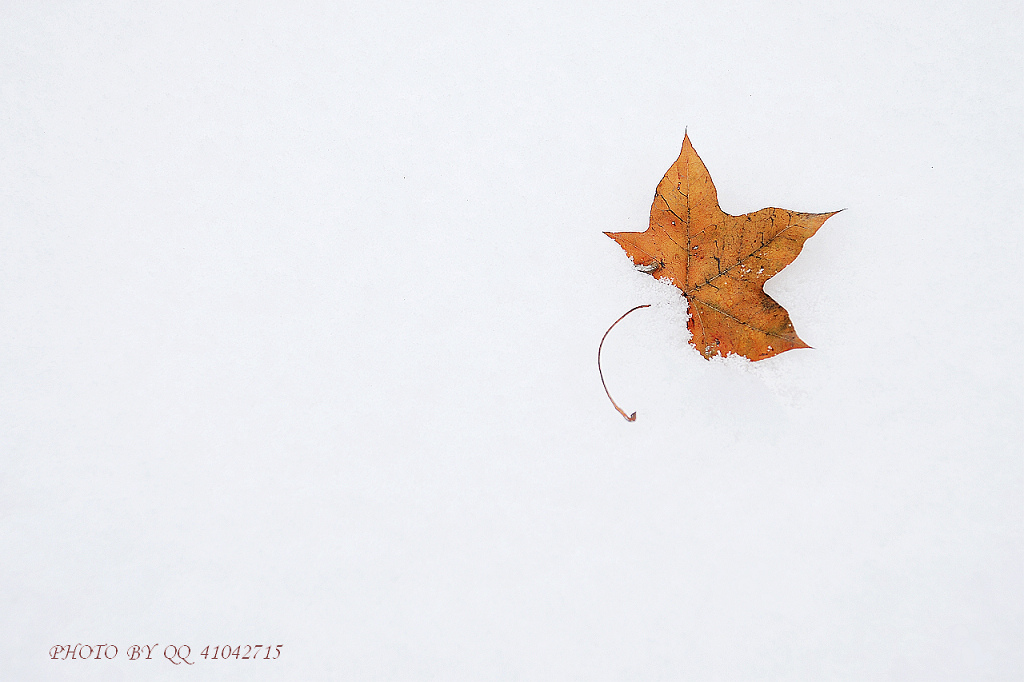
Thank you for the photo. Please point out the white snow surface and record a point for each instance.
(299, 312)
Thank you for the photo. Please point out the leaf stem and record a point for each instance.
(629, 417)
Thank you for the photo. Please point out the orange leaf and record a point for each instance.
(721, 261)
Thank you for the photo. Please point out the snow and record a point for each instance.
(299, 314)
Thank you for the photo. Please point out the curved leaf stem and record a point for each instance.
(629, 417)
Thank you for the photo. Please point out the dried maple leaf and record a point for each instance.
(720, 261)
